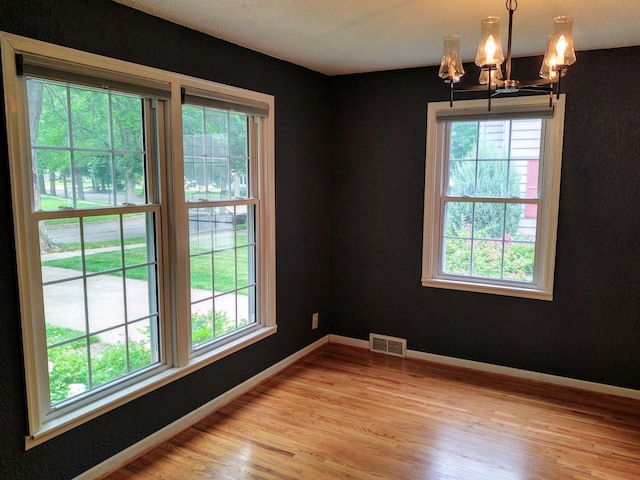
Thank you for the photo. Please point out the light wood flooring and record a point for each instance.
(343, 412)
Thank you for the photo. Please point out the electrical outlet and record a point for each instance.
(314, 321)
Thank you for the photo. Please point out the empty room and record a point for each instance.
(315, 239)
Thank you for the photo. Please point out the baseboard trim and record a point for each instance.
(508, 371)
(137, 449)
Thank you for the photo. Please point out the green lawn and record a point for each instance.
(201, 266)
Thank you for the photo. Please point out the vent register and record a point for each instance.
(387, 345)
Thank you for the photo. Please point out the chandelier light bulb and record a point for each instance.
(561, 49)
(549, 69)
(563, 36)
(490, 47)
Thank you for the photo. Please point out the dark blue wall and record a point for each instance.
(367, 161)
(302, 221)
(591, 330)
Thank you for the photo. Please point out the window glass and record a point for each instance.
(222, 232)
(99, 272)
(87, 146)
(479, 236)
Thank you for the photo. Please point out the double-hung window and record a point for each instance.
(491, 196)
(144, 226)
(222, 203)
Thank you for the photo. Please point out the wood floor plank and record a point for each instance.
(343, 412)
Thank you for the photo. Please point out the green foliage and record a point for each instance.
(490, 175)
(68, 363)
(464, 138)
(512, 259)
(204, 330)
(99, 120)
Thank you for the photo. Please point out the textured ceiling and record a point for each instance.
(350, 36)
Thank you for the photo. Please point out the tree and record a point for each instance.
(492, 176)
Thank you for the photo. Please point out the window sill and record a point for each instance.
(66, 422)
(506, 290)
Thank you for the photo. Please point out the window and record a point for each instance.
(96, 227)
(121, 176)
(491, 196)
(221, 200)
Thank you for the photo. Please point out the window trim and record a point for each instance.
(174, 303)
(542, 288)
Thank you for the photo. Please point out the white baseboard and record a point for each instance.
(125, 456)
(509, 371)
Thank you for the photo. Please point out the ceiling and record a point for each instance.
(351, 36)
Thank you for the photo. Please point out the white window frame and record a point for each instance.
(174, 300)
(551, 158)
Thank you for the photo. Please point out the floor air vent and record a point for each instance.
(387, 345)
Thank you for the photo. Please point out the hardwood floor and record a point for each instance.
(343, 412)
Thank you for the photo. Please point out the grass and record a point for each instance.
(224, 264)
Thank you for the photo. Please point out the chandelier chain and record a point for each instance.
(510, 5)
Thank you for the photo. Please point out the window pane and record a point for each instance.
(201, 267)
(48, 113)
(54, 187)
(61, 249)
(487, 258)
(108, 356)
(202, 322)
(140, 299)
(136, 229)
(68, 371)
(64, 312)
(493, 139)
(458, 219)
(224, 270)
(225, 314)
(238, 135)
(143, 349)
(464, 140)
(201, 227)
(492, 179)
(488, 220)
(127, 123)
(525, 138)
(457, 256)
(216, 161)
(519, 260)
(462, 177)
(246, 306)
(90, 124)
(130, 178)
(105, 301)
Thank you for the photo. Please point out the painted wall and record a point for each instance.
(591, 330)
(367, 160)
(106, 28)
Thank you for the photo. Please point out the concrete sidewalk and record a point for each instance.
(105, 309)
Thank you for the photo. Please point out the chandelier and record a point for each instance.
(558, 56)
